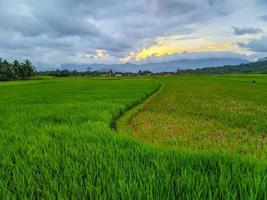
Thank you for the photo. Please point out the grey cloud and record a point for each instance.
(207, 8)
(11, 40)
(256, 45)
(244, 31)
(57, 29)
(173, 7)
(263, 18)
(41, 18)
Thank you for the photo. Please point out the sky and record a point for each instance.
(55, 32)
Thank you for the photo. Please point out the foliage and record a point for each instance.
(56, 143)
(215, 113)
(16, 70)
(64, 73)
(145, 72)
(250, 68)
(75, 73)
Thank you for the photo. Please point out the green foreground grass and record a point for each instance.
(56, 142)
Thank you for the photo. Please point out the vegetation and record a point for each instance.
(223, 114)
(56, 141)
(16, 70)
(67, 73)
(75, 73)
(250, 68)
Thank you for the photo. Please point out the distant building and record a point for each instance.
(118, 75)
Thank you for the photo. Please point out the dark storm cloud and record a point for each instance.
(43, 17)
(186, 7)
(256, 45)
(57, 30)
(244, 31)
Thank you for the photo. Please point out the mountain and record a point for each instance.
(259, 67)
(262, 59)
(170, 66)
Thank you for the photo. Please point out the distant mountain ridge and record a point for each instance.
(262, 59)
(170, 66)
(259, 67)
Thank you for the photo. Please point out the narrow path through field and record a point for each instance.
(121, 123)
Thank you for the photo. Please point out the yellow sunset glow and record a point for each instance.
(157, 50)
(174, 44)
(100, 53)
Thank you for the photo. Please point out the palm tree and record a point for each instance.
(28, 69)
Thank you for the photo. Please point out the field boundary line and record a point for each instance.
(121, 123)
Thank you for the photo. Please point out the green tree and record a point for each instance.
(28, 69)
(16, 70)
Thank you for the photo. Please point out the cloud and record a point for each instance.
(172, 8)
(256, 45)
(52, 32)
(263, 18)
(169, 45)
(244, 31)
(39, 17)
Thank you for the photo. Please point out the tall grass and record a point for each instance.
(56, 143)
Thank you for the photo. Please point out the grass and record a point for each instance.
(56, 142)
(215, 113)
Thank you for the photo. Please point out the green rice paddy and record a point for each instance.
(57, 138)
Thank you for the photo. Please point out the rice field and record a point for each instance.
(59, 140)
(225, 114)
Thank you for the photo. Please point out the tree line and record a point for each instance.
(67, 73)
(250, 68)
(16, 70)
(89, 72)
(24, 70)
